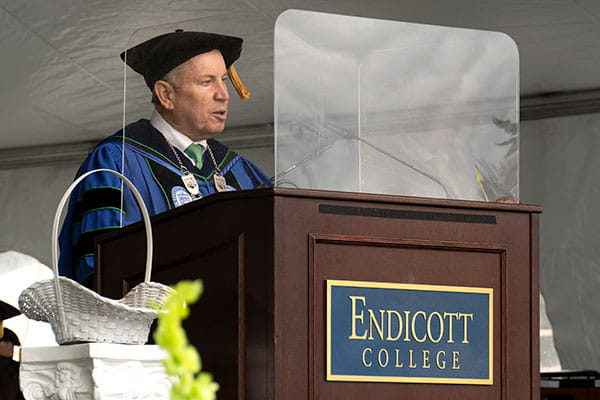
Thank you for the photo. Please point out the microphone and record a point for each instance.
(346, 134)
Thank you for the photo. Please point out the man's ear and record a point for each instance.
(165, 93)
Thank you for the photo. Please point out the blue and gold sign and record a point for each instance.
(389, 332)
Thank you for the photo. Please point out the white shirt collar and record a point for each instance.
(179, 140)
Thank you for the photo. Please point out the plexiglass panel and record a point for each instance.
(389, 107)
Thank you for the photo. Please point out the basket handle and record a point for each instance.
(58, 217)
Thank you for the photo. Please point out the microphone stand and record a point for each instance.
(342, 132)
(296, 165)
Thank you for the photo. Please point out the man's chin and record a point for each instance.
(206, 134)
(214, 133)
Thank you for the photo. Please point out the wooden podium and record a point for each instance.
(265, 256)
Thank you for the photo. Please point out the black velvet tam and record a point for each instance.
(155, 57)
(7, 311)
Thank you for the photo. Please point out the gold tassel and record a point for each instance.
(1, 329)
(237, 83)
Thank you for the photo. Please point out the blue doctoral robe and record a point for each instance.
(95, 205)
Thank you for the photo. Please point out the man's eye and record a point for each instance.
(206, 82)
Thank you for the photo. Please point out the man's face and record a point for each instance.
(200, 96)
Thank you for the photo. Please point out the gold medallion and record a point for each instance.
(190, 183)
(220, 183)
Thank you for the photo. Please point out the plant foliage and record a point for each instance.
(183, 361)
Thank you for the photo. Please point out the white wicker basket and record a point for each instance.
(78, 314)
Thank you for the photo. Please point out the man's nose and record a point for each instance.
(222, 94)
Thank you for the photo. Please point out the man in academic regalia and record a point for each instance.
(9, 369)
(172, 159)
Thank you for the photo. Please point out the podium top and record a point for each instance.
(338, 196)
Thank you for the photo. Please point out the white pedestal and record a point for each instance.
(94, 371)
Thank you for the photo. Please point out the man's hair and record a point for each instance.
(171, 77)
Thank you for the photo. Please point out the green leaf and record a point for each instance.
(183, 361)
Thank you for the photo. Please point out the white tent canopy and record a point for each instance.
(62, 77)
